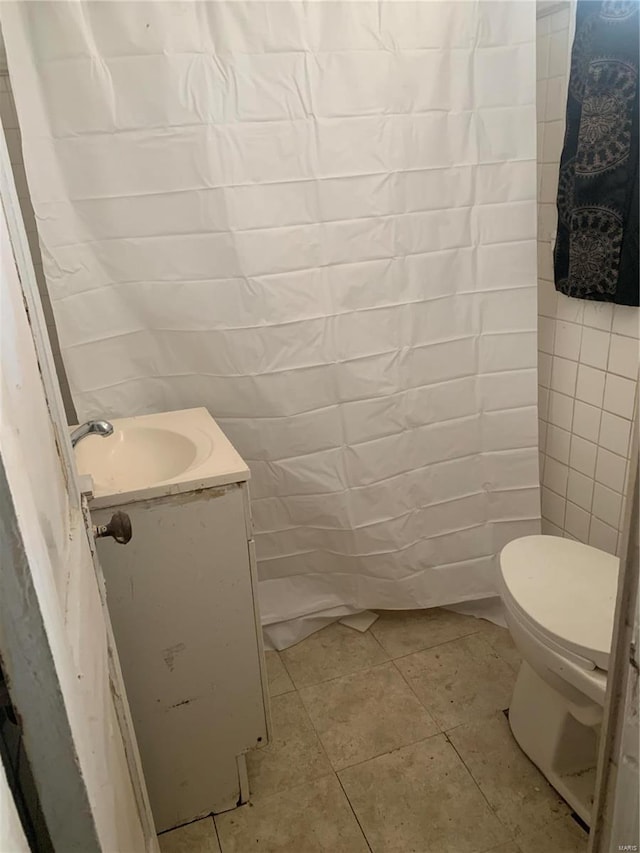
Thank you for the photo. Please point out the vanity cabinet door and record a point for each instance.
(181, 600)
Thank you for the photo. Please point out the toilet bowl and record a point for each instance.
(559, 600)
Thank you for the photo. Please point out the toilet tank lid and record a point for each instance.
(568, 589)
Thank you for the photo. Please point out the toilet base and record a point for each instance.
(563, 749)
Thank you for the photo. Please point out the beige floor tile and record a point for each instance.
(293, 757)
(279, 679)
(509, 847)
(330, 653)
(500, 641)
(517, 792)
(560, 836)
(198, 837)
(365, 714)
(460, 680)
(314, 818)
(421, 798)
(401, 632)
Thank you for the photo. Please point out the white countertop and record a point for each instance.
(152, 456)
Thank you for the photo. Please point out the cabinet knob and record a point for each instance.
(119, 528)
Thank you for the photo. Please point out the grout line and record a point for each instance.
(215, 828)
(389, 752)
(477, 784)
(434, 646)
(374, 665)
(286, 670)
(353, 812)
(334, 771)
(345, 675)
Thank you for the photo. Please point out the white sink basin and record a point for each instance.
(158, 454)
(135, 457)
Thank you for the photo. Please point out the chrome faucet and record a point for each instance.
(103, 428)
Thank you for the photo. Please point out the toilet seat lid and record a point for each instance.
(567, 589)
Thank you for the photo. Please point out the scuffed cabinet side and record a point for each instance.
(253, 567)
(184, 611)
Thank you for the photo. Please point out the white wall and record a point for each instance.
(14, 144)
(588, 351)
(79, 742)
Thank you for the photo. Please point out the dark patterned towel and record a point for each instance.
(596, 254)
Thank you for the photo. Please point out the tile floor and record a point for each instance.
(392, 741)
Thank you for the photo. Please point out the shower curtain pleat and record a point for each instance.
(318, 220)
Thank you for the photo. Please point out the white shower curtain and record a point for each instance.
(317, 220)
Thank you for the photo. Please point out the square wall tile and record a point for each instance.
(567, 343)
(586, 421)
(549, 184)
(603, 536)
(582, 457)
(539, 141)
(560, 410)
(607, 505)
(623, 356)
(542, 57)
(543, 402)
(543, 27)
(547, 221)
(611, 470)
(569, 309)
(556, 101)
(552, 141)
(547, 298)
(599, 315)
(546, 334)
(626, 321)
(553, 507)
(564, 375)
(619, 395)
(542, 435)
(541, 99)
(576, 522)
(558, 443)
(560, 21)
(615, 433)
(580, 490)
(550, 529)
(544, 369)
(555, 476)
(594, 349)
(545, 264)
(558, 53)
(590, 385)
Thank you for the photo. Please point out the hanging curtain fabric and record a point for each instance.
(596, 253)
(317, 220)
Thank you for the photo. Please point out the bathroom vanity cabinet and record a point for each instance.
(183, 602)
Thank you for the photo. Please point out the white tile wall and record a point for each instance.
(588, 352)
(14, 144)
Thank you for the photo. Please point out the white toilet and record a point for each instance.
(559, 597)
